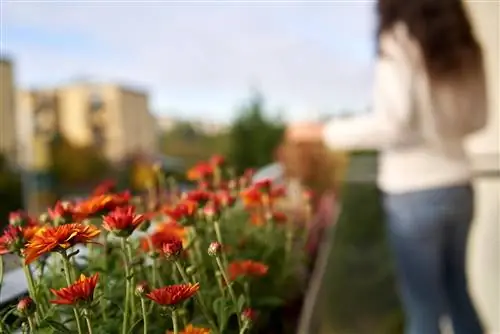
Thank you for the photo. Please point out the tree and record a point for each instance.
(253, 137)
(75, 166)
(10, 191)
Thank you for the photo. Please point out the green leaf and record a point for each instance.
(57, 326)
(241, 303)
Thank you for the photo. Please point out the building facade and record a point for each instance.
(7, 110)
(112, 118)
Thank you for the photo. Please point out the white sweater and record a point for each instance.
(419, 129)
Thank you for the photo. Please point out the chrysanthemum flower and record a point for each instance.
(26, 306)
(172, 295)
(62, 213)
(105, 187)
(248, 315)
(217, 160)
(225, 198)
(200, 171)
(190, 329)
(199, 196)
(183, 212)
(82, 291)
(163, 233)
(122, 221)
(14, 238)
(172, 249)
(102, 204)
(246, 268)
(20, 218)
(57, 238)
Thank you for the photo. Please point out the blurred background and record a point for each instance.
(93, 90)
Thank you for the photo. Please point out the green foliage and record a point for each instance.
(363, 298)
(192, 146)
(74, 165)
(10, 191)
(253, 137)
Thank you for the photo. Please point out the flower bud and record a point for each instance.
(18, 218)
(215, 248)
(141, 289)
(26, 307)
(211, 210)
(44, 218)
(248, 315)
(172, 249)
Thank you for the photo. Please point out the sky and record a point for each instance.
(200, 59)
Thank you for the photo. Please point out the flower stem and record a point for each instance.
(198, 297)
(219, 239)
(31, 324)
(69, 281)
(144, 315)
(127, 287)
(229, 287)
(132, 280)
(31, 287)
(1, 274)
(174, 322)
(244, 328)
(87, 320)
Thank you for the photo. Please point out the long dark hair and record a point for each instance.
(442, 29)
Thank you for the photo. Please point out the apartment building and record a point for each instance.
(113, 118)
(7, 109)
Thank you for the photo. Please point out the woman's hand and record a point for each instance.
(304, 132)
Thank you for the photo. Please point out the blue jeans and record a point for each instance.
(428, 232)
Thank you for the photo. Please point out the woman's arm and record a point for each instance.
(388, 123)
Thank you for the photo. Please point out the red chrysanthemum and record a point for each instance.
(55, 238)
(14, 238)
(20, 218)
(184, 210)
(217, 160)
(172, 248)
(225, 198)
(199, 196)
(172, 295)
(62, 213)
(80, 292)
(246, 268)
(122, 221)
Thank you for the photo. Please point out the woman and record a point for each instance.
(429, 95)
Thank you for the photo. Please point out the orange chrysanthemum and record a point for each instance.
(105, 187)
(55, 238)
(122, 221)
(200, 171)
(98, 205)
(164, 233)
(82, 291)
(190, 329)
(246, 268)
(172, 295)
